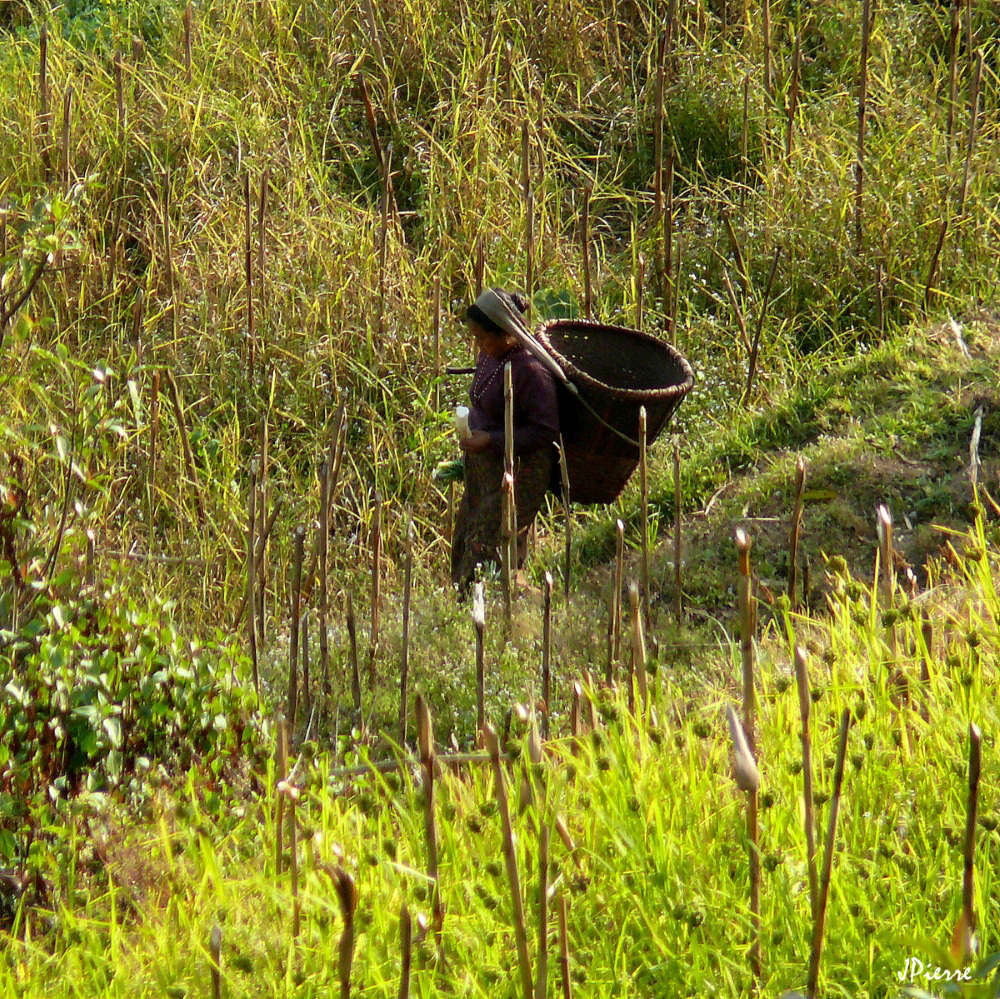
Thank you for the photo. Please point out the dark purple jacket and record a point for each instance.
(536, 412)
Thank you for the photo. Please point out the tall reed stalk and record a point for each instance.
(678, 538)
(859, 166)
(479, 622)
(805, 703)
(404, 669)
(969, 847)
(644, 515)
(793, 533)
(293, 648)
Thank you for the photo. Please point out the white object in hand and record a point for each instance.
(462, 422)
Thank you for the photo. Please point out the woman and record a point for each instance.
(476, 537)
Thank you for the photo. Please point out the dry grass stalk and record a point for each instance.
(746, 607)
(805, 703)
(638, 649)
(436, 333)
(404, 669)
(67, 117)
(262, 540)
(547, 648)
(293, 649)
(737, 251)
(588, 298)
(567, 500)
(215, 953)
(154, 433)
(669, 282)
(425, 749)
(292, 793)
(510, 859)
(793, 534)
(192, 473)
(755, 346)
(480, 266)
(479, 622)
(640, 291)
(678, 538)
(324, 582)
(859, 166)
(251, 575)
(307, 696)
(187, 43)
(793, 96)
(542, 958)
(168, 258)
(352, 636)
(644, 514)
(567, 987)
(507, 565)
(616, 599)
(744, 141)
(44, 115)
(971, 138)
(888, 573)
(529, 211)
(376, 550)
(953, 75)
(768, 76)
(747, 778)
(347, 895)
(574, 716)
(281, 771)
(932, 270)
(120, 94)
(406, 951)
(969, 850)
(819, 919)
(511, 508)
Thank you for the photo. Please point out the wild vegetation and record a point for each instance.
(236, 242)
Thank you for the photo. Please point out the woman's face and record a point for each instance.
(488, 343)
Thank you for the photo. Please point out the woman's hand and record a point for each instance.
(477, 443)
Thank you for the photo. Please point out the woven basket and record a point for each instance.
(616, 370)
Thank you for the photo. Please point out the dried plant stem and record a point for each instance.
(658, 118)
(567, 500)
(347, 895)
(644, 515)
(971, 812)
(734, 245)
(510, 859)
(567, 987)
(507, 569)
(425, 748)
(187, 42)
(669, 282)
(640, 291)
(588, 300)
(44, 115)
(805, 703)
(479, 622)
(436, 334)
(859, 166)
(542, 958)
(293, 850)
(971, 139)
(262, 540)
(753, 854)
(511, 519)
(293, 650)
(819, 920)
(746, 607)
(755, 346)
(376, 550)
(617, 582)
(215, 953)
(192, 473)
(678, 538)
(281, 737)
(404, 669)
(932, 270)
(352, 652)
(793, 534)
(547, 649)
(406, 951)
(529, 212)
(953, 75)
(793, 96)
(251, 575)
(888, 573)
(67, 118)
(324, 582)
(638, 649)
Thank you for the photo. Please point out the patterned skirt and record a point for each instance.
(476, 536)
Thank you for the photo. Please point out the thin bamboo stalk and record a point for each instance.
(805, 704)
(187, 42)
(215, 967)
(616, 600)
(192, 473)
(510, 859)
(793, 534)
(281, 771)
(768, 78)
(588, 300)
(888, 573)
(859, 167)
(970, 143)
(479, 622)
(324, 581)
(67, 118)
(644, 515)
(953, 76)
(293, 651)
(567, 501)
(746, 606)
(168, 258)
(638, 650)
(793, 96)
(251, 578)
(542, 951)
(347, 895)
(567, 986)
(547, 649)
(404, 670)
(436, 332)
(425, 748)
(969, 849)
(640, 291)
(406, 951)
(755, 346)
(352, 636)
(529, 211)
(376, 550)
(668, 243)
(819, 921)
(678, 538)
